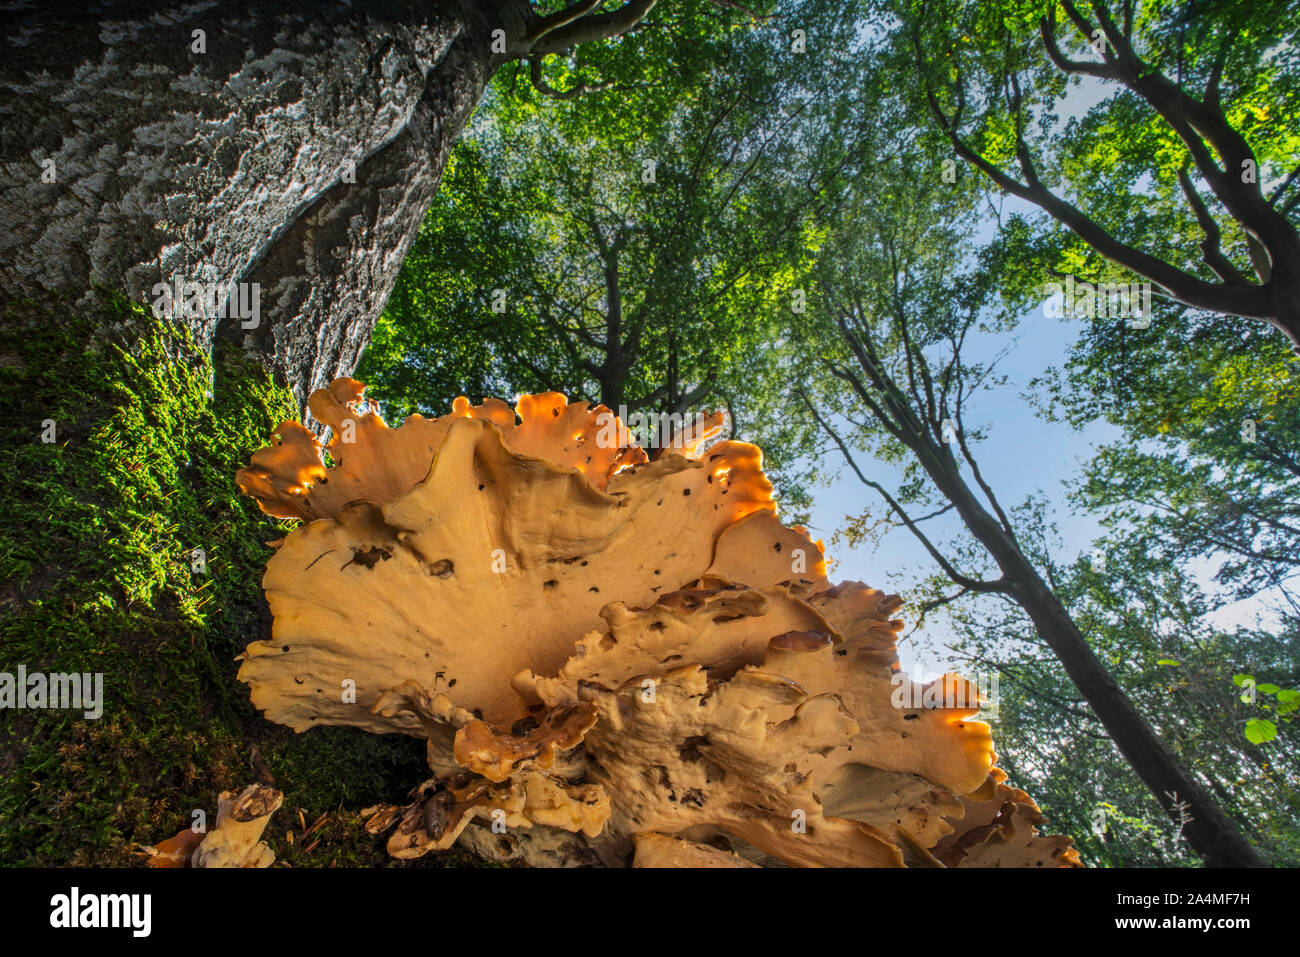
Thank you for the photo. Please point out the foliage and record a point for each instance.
(1210, 464)
(637, 242)
(592, 245)
(1281, 702)
(1059, 118)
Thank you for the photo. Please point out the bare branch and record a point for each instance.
(561, 18)
(1047, 28)
(936, 513)
(1211, 96)
(964, 581)
(979, 478)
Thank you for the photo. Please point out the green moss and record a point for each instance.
(96, 534)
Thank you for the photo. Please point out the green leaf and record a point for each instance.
(1240, 680)
(1258, 731)
(1286, 696)
(1269, 689)
(1168, 661)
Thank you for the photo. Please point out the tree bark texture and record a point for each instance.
(293, 146)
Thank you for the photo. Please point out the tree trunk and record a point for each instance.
(291, 148)
(1207, 828)
(294, 147)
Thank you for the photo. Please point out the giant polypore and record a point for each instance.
(613, 659)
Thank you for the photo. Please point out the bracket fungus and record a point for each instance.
(613, 659)
(234, 841)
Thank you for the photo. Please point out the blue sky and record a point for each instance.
(1023, 454)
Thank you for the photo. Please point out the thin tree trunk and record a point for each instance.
(1208, 829)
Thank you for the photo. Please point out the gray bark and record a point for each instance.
(231, 165)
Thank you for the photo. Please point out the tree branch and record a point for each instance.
(561, 18)
(591, 27)
(964, 581)
(578, 89)
(1211, 250)
(1047, 29)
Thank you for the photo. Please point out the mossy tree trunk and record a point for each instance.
(117, 460)
(296, 147)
